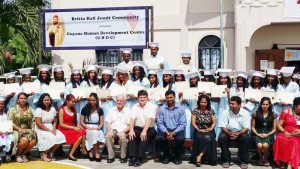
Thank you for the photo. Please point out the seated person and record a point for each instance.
(235, 126)
(171, 123)
(117, 125)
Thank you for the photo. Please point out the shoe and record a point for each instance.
(25, 160)
(98, 159)
(110, 160)
(51, 156)
(123, 160)
(131, 161)
(166, 161)
(72, 159)
(7, 158)
(138, 162)
(92, 158)
(19, 159)
(45, 158)
(177, 161)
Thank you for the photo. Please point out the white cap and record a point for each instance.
(224, 72)
(2, 98)
(153, 44)
(122, 69)
(242, 74)
(194, 74)
(179, 72)
(25, 71)
(76, 71)
(91, 67)
(186, 54)
(107, 70)
(152, 71)
(10, 75)
(287, 71)
(58, 68)
(126, 50)
(258, 74)
(208, 72)
(168, 72)
(272, 72)
(140, 64)
(44, 68)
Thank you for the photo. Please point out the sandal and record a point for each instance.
(51, 157)
(45, 158)
(25, 160)
(19, 159)
(267, 164)
(244, 166)
(225, 165)
(198, 160)
(260, 163)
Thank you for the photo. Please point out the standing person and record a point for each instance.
(7, 139)
(186, 64)
(209, 76)
(127, 56)
(59, 76)
(204, 122)
(287, 144)
(55, 32)
(117, 124)
(153, 79)
(241, 84)
(141, 128)
(156, 61)
(22, 117)
(122, 77)
(49, 139)
(68, 125)
(12, 97)
(92, 120)
(235, 126)
(26, 77)
(171, 123)
(44, 78)
(263, 127)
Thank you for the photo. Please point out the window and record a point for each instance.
(209, 51)
(113, 57)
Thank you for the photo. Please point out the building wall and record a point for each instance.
(178, 25)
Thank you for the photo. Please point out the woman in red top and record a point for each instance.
(287, 144)
(68, 125)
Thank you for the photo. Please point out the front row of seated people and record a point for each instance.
(134, 129)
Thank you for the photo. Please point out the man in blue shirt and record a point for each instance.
(171, 123)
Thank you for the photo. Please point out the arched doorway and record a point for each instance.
(209, 51)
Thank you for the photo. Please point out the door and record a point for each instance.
(276, 55)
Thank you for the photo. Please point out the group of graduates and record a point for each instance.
(137, 123)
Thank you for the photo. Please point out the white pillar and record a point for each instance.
(240, 50)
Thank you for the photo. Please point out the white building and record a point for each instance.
(194, 25)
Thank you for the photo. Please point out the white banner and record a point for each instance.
(98, 28)
(292, 9)
(291, 55)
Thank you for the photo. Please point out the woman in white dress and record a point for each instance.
(6, 139)
(92, 120)
(49, 139)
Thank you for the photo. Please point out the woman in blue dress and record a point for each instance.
(11, 99)
(239, 88)
(26, 77)
(209, 77)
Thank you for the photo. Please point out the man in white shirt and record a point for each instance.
(186, 65)
(117, 125)
(141, 128)
(126, 55)
(235, 126)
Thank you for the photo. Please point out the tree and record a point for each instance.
(19, 33)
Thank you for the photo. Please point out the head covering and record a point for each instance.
(272, 72)
(153, 44)
(2, 98)
(25, 71)
(193, 74)
(122, 69)
(208, 72)
(186, 53)
(242, 74)
(44, 67)
(91, 68)
(224, 72)
(287, 71)
(152, 71)
(126, 50)
(179, 72)
(76, 71)
(107, 70)
(257, 73)
(58, 68)
(168, 72)
(140, 64)
(10, 75)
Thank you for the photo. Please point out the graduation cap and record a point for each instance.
(58, 68)
(76, 71)
(186, 54)
(25, 71)
(242, 74)
(107, 70)
(44, 67)
(224, 72)
(91, 68)
(287, 71)
(153, 44)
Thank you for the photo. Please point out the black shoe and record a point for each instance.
(98, 159)
(177, 162)
(138, 162)
(92, 158)
(166, 161)
(110, 160)
(131, 161)
(123, 160)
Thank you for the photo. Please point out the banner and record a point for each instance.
(96, 28)
(291, 55)
(292, 9)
